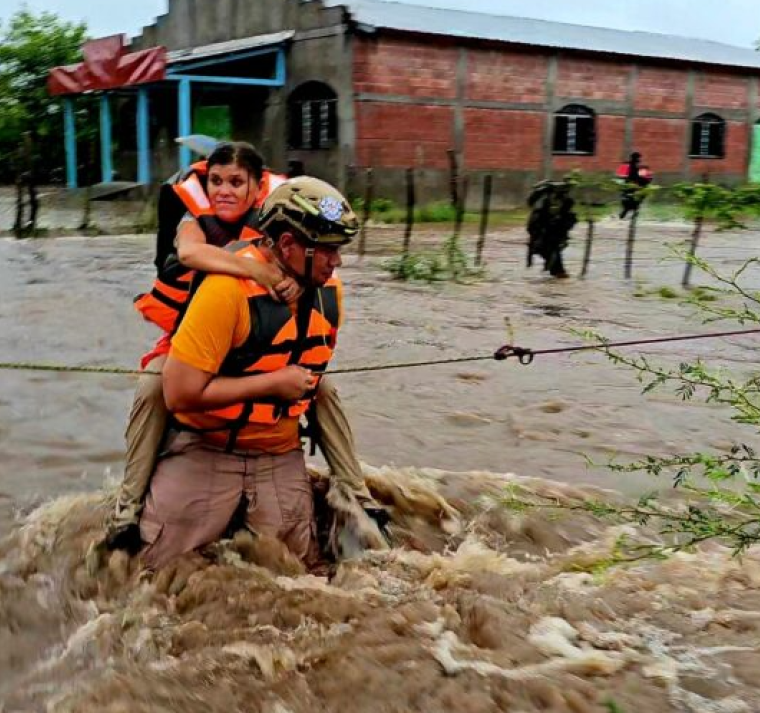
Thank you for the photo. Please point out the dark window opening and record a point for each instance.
(312, 117)
(574, 131)
(708, 137)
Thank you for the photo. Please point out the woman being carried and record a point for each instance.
(221, 213)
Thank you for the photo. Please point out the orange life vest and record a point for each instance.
(274, 342)
(171, 289)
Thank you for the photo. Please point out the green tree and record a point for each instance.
(30, 45)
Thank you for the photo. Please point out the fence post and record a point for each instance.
(695, 236)
(410, 203)
(587, 250)
(31, 226)
(351, 183)
(487, 190)
(461, 206)
(369, 193)
(453, 178)
(18, 225)
(629, 244)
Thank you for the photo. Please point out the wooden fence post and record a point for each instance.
(695, 236)
(487, 191)
(369, 196)
(410, 203)
(453, 178)
(461, 205)
(629, 244)
(587, 250)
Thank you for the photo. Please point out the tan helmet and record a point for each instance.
(314, 208)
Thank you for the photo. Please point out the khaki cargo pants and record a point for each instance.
(147, 423)
(197, 488)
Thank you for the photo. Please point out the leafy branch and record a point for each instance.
(718, 493)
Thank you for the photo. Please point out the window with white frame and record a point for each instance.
(708, 137)
(312, 117)
(575, 130)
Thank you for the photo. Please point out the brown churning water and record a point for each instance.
(475, 609)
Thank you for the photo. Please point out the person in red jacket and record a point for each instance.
(636, 177)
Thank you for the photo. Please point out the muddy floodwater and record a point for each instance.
(475, 609)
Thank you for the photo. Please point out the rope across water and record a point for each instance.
(524, 355)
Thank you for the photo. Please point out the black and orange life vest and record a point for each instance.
(278, 338)
(171, 289)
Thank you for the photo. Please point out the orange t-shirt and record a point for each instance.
(218, 320)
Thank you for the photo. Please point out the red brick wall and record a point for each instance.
(661, 90)
(403, 136)
(721, 90)
(610, 139)
(391, 66)
(661, 143)
(592, 79)
(399, 135)
(503, 76)
(496, 139)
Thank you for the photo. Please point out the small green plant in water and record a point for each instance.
(449, 263)
(425, 267)
(667, 293)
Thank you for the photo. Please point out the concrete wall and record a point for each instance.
(320, 51)
(416, 98)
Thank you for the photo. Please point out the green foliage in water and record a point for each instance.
(720, 488)
(729, 208)
(449, 263)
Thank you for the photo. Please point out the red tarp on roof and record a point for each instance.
(107, 66)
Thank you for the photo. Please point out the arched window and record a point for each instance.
(708, 137)
(312, 117)
(575, 130)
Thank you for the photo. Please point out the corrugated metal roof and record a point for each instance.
(542, 33)
(230, 47)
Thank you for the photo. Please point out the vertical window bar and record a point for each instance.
(324, 124)
(704, 139)
(306, 122)
(572, 134)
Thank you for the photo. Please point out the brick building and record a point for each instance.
(340, 83)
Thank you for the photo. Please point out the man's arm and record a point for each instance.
(188, 390)
(217, 320)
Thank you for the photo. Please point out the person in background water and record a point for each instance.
(549, 224)
(636, 177)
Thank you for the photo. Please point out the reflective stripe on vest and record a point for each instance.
(269, 181)
(271, 343)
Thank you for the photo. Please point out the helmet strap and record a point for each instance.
(307, 279)
(309, 267)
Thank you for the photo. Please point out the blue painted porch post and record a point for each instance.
(70, 142)
(143, 137)
(185, 120)
(106, 158)
(280, 67)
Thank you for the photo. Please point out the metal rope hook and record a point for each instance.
(523, 355)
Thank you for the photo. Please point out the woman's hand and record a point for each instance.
(267, 275)
(288, 290)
